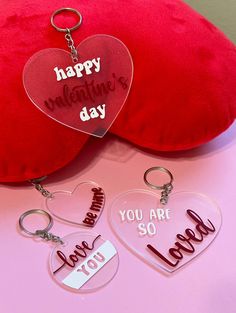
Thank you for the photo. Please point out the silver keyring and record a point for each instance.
(35, 211)
(64, 30)
(161, 169)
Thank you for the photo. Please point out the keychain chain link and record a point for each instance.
(70, 43)
(165, 193)
(42, 233)
(48, 236)
(44, 192)
(166, 188)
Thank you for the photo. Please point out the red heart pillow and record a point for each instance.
(183, 92)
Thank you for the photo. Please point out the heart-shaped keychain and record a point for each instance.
(84, 89)
(83, 206)
(166, 233)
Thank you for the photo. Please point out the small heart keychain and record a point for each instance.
(82, 206)
(84, 89)
(80, 262)
(169, 232)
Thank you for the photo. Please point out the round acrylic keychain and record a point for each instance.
(80, 262)
(165, 232)
(85, 88)
(83, 206)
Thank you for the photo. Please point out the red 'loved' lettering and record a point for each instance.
(188, 239)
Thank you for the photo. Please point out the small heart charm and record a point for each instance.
(87, 95)
(166, 237)
(83, 206)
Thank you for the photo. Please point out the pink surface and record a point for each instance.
(206, 285)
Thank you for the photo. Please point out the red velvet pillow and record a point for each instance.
(183, 92)
(184, 89)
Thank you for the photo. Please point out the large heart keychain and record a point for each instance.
(165, 232)
(84, 89)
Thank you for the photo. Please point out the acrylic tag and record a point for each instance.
(84, 262)
(80, 262)
(83, 206)
(165, 236)
(86, 95)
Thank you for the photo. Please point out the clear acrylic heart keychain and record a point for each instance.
(82, 261)
(168, 231)
(82, 206)
(83, 89)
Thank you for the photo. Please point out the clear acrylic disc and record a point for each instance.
(84, 262)
(165, 236)
(87, 95)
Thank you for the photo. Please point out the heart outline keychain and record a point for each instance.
(84, 89)
(82, 206)
(80, 262)
(166, 232)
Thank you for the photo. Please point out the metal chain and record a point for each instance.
(44, 192)
(165, 193)
(48, 236)
(70, 43)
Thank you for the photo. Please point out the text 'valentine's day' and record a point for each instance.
(79, 70)
(90, 93)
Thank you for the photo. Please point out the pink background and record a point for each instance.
(206, 285)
